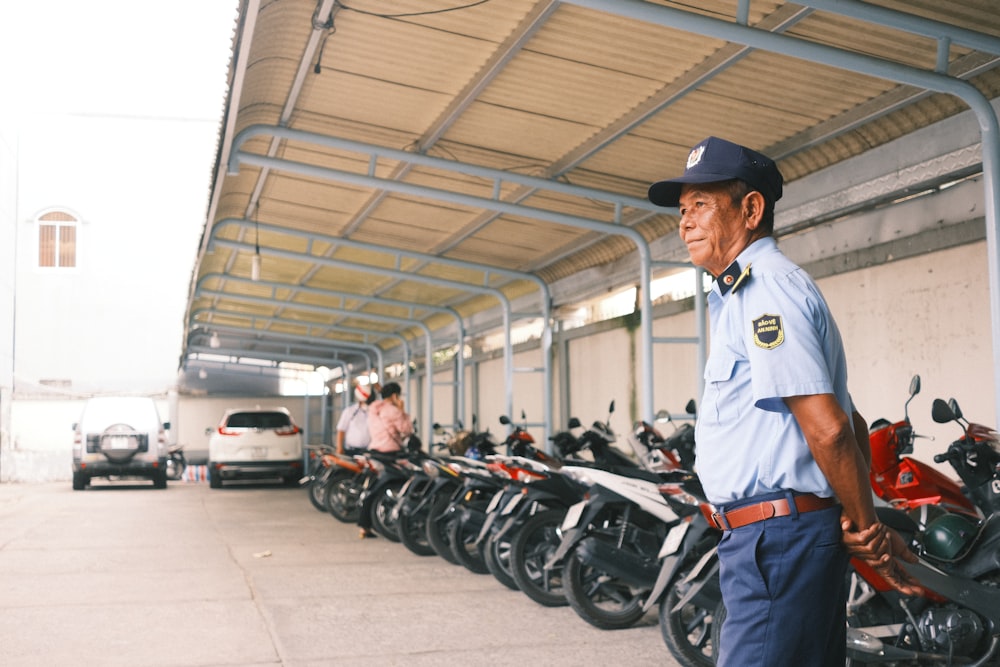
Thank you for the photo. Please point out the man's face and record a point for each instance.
(712, 226)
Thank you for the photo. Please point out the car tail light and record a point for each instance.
(225, 431)
(291, 429)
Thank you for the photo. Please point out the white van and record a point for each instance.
(120, 436)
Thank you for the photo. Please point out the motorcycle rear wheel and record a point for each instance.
(342, 497)
(599, 599)
(530, 549)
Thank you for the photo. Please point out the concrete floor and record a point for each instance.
(122, 574)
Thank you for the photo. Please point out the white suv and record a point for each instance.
(120, 436)
(256, 443)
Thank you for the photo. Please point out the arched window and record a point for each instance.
(57, 240)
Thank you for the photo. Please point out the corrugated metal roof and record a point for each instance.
(559, 92)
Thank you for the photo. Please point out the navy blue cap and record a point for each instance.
(714, 160)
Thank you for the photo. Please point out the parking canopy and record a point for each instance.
(394, 177)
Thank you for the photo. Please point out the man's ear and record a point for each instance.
(753, 209)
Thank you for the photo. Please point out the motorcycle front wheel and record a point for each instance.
(317, 491)
(462, 535)
(496, 555)
(690, 632)
(438, 528)
(343, 494)
(412, 530)
(381, 512)
(531, 548)
(599, 599)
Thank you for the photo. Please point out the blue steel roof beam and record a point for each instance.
(237, 156)
(917, 25)
(325, 310)
(411, 307)
(337, 347)
(315, 337)
(369, 181)
(430, 280)
(510, 47)
(364, 351)
(308, 341)
(891, 71)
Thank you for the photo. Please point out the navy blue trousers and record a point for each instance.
(784, 586)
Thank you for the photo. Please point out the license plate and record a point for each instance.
(674, 539)
(511, 504)
(573, 515)
(258, 452)
(119, 442)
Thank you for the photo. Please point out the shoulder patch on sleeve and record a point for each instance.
(768, 332)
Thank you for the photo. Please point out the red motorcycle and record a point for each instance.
(904, 482)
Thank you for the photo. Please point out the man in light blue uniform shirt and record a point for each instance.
(781, 452)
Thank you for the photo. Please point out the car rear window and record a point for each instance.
(258, 420)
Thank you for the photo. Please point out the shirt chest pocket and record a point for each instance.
(724, 390)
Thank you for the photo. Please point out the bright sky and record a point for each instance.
(129, 96)
(129, 57)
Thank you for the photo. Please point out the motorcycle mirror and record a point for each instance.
(941, 412)
(953, 404)
(611, 408)
(574, 422)
(523, 416)
(691, 407)
(504, 419)
(914, 390)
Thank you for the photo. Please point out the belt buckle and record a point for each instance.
(719, 519)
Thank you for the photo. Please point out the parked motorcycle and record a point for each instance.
(176, 463)
(610, 542)
(345, 481)
(903, 481)
(975, 456)
(656, 452)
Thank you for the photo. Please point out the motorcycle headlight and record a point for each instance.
(578, 475)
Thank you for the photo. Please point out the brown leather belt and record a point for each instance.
(769, 509)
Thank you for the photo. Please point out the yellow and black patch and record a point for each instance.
(768, 332)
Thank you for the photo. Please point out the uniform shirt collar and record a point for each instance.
(734, 271)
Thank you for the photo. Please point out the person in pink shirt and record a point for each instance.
(389, 426)
(388, 423)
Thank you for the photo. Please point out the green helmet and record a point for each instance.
(947, 536)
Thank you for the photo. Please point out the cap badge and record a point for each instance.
(694, 157)
(768, 332)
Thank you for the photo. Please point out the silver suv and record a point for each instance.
(120, 436)
(255, 443)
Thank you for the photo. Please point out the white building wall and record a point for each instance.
(114, 323)
(8, 264)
